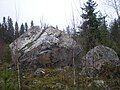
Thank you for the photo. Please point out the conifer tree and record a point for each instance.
(26, 27)
(10, 29)
(32, 24)
(115, 35)
(3, 30)
(16, 30)
(104, 33)
(4, 24)
(22, 29)
(115, 31)
(90, 30)
(0, 25)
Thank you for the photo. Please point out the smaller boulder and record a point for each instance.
(98, 57)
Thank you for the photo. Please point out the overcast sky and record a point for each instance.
(52, 12)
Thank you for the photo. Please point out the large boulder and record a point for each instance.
(98, 57)
(43, 47)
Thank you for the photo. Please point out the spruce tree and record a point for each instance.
(115, 31)
(4, 24)
(90, 31)
(26, 27)
(10, 29)
(104, 33)
(32, 24)
(6, 31)
(0, 25)
(115, 35)
(3, 30)
(16, 30)
(22, 29)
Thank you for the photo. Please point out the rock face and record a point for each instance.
(97, 57)
(43, 47)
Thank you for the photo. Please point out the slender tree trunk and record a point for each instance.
(19, 77)
(74, 76)
(116, 8)
(19, 72)
(17, 56)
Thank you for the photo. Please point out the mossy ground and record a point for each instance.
(55, 79)
(58, 78)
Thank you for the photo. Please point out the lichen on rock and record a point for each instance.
(44, 47)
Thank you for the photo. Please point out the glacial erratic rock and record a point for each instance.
(43, 47)
(98, 57)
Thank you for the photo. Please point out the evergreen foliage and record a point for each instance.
(104, 33)
(115, 35)
(5, 33)
(94, 32)
(32, 24)
(94, 29)
(16, 30)
(90, 30)
(22, 29)
(26, 27)
(4, 24)
(115, 31)
(9, 32)
(10, 29)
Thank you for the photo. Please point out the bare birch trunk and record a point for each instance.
(18, 67)
(19, 74)
(74, 76)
